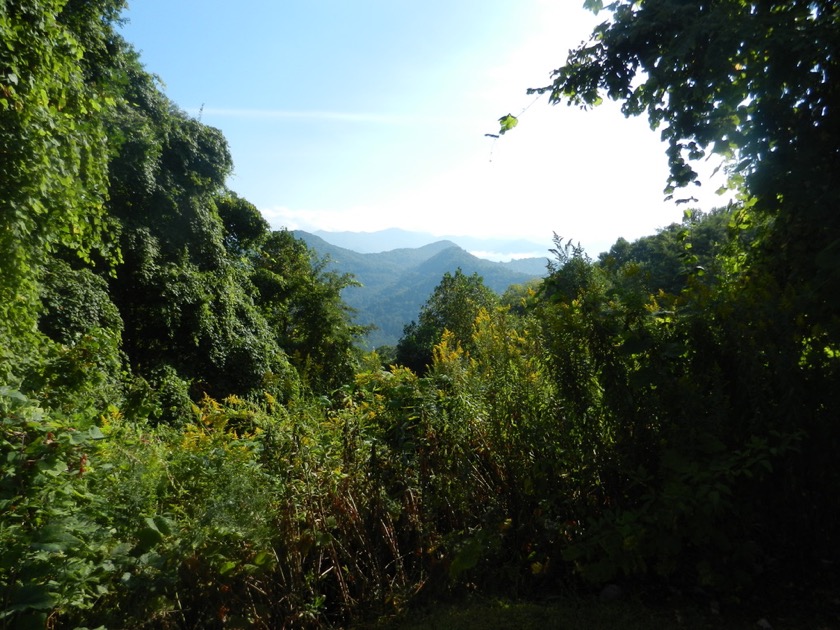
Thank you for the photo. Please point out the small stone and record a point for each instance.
(764, 624)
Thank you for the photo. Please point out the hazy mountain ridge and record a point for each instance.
(395, 238)
(531, 266)
(396, 283)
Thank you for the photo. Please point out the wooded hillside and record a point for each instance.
(394, 284)
(190, 436)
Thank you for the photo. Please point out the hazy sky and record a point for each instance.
(367, 114)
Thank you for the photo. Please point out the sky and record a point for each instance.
(370, 114)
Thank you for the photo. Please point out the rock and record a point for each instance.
(764, 624)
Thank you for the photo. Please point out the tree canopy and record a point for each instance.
(53, 147)
(116, 217)
(453, 306)
(189, 437)
(754, 84)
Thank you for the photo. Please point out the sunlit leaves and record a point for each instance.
(53, 176)
(53, 555)
(723, 69)
(453, 306)
(507, 122)
(593, 5)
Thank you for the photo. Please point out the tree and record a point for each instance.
(53, 170)
(745, 365)
(517, 297)
(245, 227)
(184, 289)
(756, 84)
(665, 260)
(302, 304)
(453, 306)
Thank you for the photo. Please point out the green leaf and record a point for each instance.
(147, 538)
(33, 597)
(261, 559)
(78, 437)
(163, 525)
(467, 557)
(52, 466)
(507, 123)
(56, 534)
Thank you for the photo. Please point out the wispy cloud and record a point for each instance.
(318, 116)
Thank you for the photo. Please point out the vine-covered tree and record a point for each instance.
(245, 227)
(54, 148)
(185, 304)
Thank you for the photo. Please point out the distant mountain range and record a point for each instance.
(395, 238)
(397, 282)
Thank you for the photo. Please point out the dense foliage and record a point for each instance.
(53, 146)
(189, 438)
(453, 307)
(753, 83)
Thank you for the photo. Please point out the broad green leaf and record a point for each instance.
(52, 466)
(32, 597)
(163, 525)
(31, 621)
(507, 123)
(147, 538)
(467, 557)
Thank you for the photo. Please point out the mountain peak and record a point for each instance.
(395, 238)
(396, 282)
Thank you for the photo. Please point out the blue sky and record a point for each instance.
(367, 114)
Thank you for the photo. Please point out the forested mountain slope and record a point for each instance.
(394, 284)
(190, 437)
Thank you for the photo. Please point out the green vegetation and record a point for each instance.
(452, 308)
(568, 613)
(189, 437)
(394, 284)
